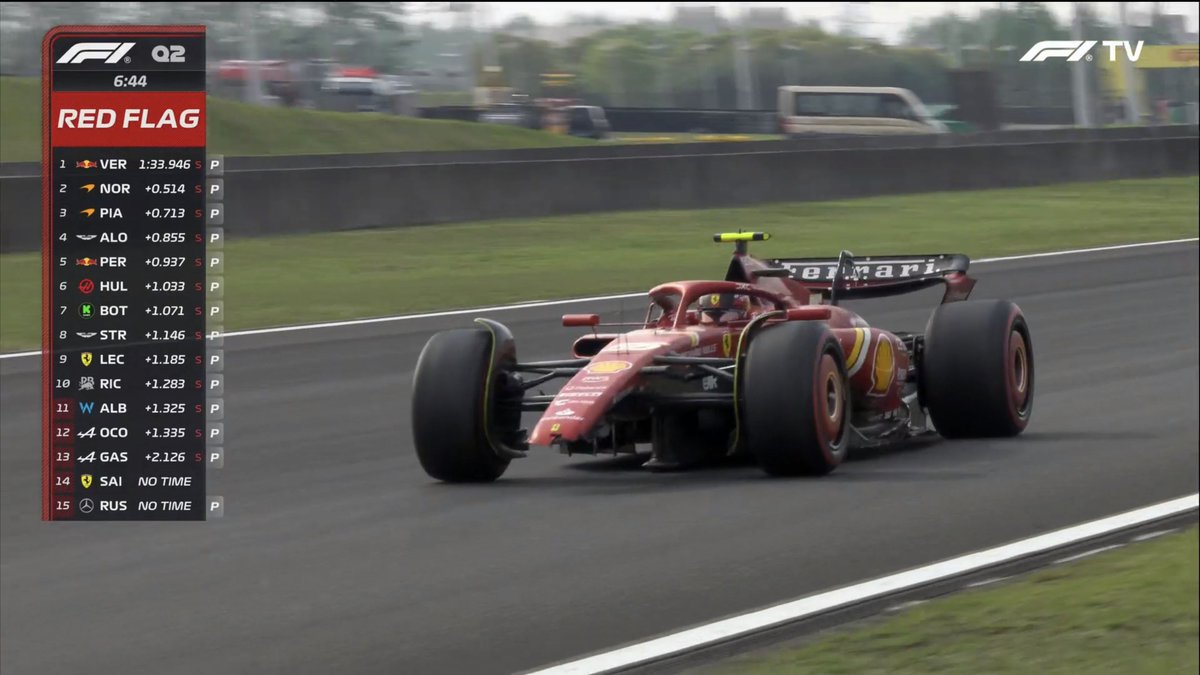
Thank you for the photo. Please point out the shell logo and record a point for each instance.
(607, 367)
(884, 369)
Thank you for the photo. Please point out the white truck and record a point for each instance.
(813, 111)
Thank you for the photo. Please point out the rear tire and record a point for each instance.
(977, 369)
(448, 411)
(795, 413)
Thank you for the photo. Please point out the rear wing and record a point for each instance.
(847, 277)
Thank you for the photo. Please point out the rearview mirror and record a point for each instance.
(575, 320)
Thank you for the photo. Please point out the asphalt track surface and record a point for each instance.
(337, 554)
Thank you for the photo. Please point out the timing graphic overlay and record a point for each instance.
(131, 264)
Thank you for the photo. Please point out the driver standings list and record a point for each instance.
(131, 270)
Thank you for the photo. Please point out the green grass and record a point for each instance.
(1125, 612)
(684, 137)
(294, 279)
(240, 129)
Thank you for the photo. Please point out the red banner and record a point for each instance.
(127, 119)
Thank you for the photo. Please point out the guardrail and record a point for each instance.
(608, 150)
(287, 195)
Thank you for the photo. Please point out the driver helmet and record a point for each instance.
(715, 305)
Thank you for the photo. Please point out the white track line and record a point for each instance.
(986, 582)
(905, 605)
(1086, 554)
(17, 355)
(1118, 247)
(601, 298)
(726, 629)
(1151, 535)
(402, 317)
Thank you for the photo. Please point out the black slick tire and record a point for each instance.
(448, 408)
(795, 399)
(977, 371)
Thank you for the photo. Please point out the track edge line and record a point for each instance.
(702, 636)
(531, 304)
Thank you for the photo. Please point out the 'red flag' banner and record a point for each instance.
(134, 119)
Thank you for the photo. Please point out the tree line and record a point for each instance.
(641, 65)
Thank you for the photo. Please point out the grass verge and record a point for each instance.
(681, 137)
(1123, 612)
(296, 279)
(239, 129)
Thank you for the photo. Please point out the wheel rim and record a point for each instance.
(1019, 373)
(833, 397)
(831, 407)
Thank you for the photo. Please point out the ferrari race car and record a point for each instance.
(765, 364)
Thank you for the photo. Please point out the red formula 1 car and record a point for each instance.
(765, 363)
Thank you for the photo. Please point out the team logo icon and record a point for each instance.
(608, 367)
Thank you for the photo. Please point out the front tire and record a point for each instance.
(795, 413)
(449, 411)
(977, 370)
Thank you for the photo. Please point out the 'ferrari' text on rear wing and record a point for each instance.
(848, 277)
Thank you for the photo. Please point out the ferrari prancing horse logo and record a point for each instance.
(86, 480)
(86, 358)
(727, 344)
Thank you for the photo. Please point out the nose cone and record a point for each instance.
(584, 400)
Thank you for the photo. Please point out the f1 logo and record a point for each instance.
(109, 52)
(1075, 50)
(1071, 50)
